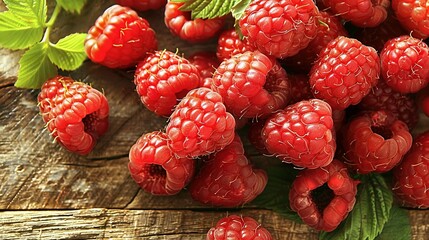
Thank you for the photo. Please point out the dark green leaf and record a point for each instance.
(15, 33)
(35, 67)
(398, 226)
(72, 6)
(69, 52)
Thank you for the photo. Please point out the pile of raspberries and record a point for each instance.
(334, 88)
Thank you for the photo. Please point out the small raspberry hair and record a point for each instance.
(230, 44)
(376, 142)
(238, 227)
(155, 168)
(142, 5)
(323, 197)
(227, 179)
(405, 64)
(251, 85)
(162, 79)
(75, 114)
(345, 72)
(119, 38)
(279, 28)
(302, 134)
(411, 176)
(192, 30)
(413, 16)
(200, 124)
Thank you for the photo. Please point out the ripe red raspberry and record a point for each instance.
(413, 15)
(345, 72)
(200, 124)
(299, 88)
(411, 176)
(75, 114)
(227, 179)
(206, 63)
(162, 79)
(192, 30)
(155, 168)
(376, 142)
(238, 227)
(280, 28)
(328, 28)
(142, 5)
(251, 85)
(119, 38)
(405, 64)
(230, 44)
(382, 97)
(302, 134)
(324, 196)
(362, 13)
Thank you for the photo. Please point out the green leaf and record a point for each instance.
(276, 194)
(208, 8)
(74, 6)
(31, 11)
(69, 52)
(239, 8)
(398, 226)
(15, 33)
(370, 213)
(35, 67)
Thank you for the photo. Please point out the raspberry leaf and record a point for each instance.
(69, 52)
(397, 227)
(207, 8)
(371, 212)
(74, 6)
(31, 11)
(239, 8)
(35, 67)
(275, 195)
(16, 33)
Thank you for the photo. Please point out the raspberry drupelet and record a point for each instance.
(238, 227)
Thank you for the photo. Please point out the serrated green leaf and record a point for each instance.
(74, 6)
(370, 213)
(16, 33)
(239, 7)
(35, 67)
(208, 9)
(69, 52)
(276, 194)
(31, 11)
(398, 226)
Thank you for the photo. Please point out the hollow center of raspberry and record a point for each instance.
(322, 196)
(157, 171)
(187, 15)
(382, 131)
(90, 122)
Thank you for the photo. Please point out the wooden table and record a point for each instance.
(49, 193)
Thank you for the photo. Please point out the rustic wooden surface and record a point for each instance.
(49, 193)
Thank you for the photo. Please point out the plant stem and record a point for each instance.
(50, 23)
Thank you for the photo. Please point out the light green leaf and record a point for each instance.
(239, 8)
(208, 8)
(35, 67)
(74, 6)
(69, 52)
(31, 11)
(398, 226)
(370, 213)
(16, 33)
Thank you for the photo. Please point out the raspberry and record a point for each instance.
(413, 16)
(236, 227)
(227, 179)
(163, 78)
(376, 142)
(230, 44)
(155, 169)
(251, 84)
(302, 134)
(142, 5)
(75, 114)
(362, 13)
(324, 196)
(405, 64)
(200, 124)
(192, 30)
(345, 72)
(411, 177)
(255, 136)
(119, 38)
(328, 28)
(279, 28)
(382, 97)
(206, 63)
